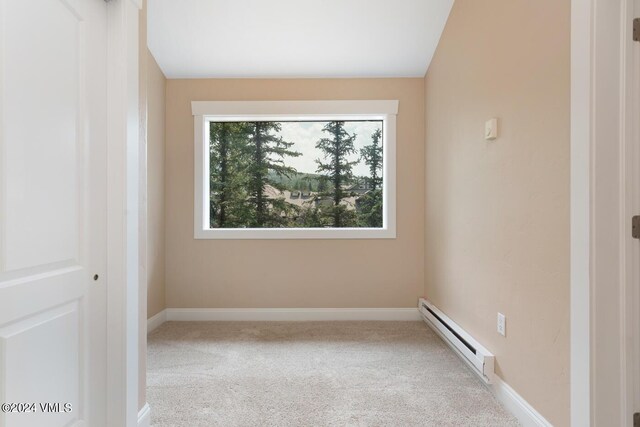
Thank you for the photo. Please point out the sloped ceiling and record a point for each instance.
(295, 38)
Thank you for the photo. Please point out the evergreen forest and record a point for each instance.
(254, 184)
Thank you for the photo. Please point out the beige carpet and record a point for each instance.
(312, 374)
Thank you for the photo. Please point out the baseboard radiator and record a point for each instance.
(476, 356)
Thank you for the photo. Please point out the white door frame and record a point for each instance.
(122, 213)
(633, 295)
(630, 295)
(601, 205)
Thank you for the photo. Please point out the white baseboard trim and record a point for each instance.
(510, 399)
(155, 321)
(514, 403)
(144, 416)
(291, 314)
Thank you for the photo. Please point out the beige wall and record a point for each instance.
(152, 112)
(156, 85)
(294, 273)
(497, 213)
(152, 248)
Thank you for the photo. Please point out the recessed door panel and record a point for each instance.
(42, 132)
(49, 380)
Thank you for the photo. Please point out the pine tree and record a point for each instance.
(311, 217)
(370, 204)
(322, 184)
(219, 170)
(337, 169)
(228, 148)
(370, 209)
(372, 156)
(268, 152)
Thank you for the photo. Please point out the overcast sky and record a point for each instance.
(305, 135)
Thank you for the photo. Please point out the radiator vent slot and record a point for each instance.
(474, 354)
(457, 335)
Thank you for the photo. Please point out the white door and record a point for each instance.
(52, 212)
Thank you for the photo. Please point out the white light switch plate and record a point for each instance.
(502, 325)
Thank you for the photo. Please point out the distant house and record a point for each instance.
(359, 187)
(325, 202)
(296, 198)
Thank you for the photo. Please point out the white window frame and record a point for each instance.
(205, 112)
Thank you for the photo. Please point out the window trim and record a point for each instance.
(206, 111)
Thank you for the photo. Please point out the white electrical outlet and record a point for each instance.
(502, 325)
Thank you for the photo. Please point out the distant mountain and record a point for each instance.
(306, 182)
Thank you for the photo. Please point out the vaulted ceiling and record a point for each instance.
(295, 38)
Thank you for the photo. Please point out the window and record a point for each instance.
(294, 169)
